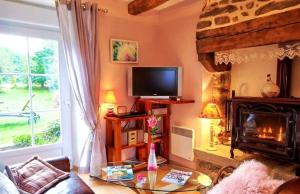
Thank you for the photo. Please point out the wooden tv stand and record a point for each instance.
(114, 130)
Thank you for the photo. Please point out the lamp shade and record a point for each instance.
(110, 97)
(211, 111)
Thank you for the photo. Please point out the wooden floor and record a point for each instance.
(100, 187)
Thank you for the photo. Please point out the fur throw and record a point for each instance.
(251, 177)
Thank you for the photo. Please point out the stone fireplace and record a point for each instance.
(228, 25)
(269, 126)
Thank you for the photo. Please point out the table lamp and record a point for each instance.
(212, 112)
(110, 100)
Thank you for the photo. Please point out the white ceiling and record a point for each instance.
(168, 4)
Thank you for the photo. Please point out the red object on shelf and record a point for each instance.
(110, 112)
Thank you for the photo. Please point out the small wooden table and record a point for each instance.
(197, 182)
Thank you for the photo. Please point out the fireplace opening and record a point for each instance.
(267, 126)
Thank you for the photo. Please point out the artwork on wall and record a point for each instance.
(124, 51)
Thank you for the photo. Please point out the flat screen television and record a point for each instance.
(155, 82)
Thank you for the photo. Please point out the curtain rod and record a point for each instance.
(83, 5)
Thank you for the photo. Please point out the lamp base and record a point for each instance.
(209, 148)
(110, 112)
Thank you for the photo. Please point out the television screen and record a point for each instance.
(155, 81)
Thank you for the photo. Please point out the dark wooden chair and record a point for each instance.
(290, 187)
(223, 172)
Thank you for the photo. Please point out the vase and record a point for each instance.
(152, 164)
(270, 89)
(152, 178)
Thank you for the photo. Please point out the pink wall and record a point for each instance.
(118, 24)
(177, 37)
(166, 38)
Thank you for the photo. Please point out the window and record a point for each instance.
(29, 91)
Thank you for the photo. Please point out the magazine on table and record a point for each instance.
(119, 173)
(177, 177)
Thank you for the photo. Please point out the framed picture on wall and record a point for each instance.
(124, 51)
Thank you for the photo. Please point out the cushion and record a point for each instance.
(10, 175)
(251, 177)
(36, 176)
(6, 186)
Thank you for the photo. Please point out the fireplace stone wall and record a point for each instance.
(221, 13)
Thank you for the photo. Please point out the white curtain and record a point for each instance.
(79, 27)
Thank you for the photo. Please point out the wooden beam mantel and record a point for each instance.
(139, 6)
(208, 61)
(274, 29)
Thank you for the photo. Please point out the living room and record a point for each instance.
(67, 89)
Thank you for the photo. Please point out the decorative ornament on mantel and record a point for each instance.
(245, 55)
(270, 89)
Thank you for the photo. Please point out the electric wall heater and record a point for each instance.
(182, 142)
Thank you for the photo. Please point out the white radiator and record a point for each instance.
(182, 142)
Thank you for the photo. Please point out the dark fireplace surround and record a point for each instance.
(269, 126)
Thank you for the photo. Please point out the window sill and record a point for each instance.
(30, 150)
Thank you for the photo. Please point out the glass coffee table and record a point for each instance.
(153, 180)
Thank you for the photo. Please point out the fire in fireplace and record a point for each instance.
(268, 133)
(264, 125)
(270, 126)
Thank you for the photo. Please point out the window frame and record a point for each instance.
(63, 147)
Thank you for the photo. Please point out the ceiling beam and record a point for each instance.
(139, 6)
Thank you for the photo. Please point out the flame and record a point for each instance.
(280, 135)
(264, 130)
(267, 133)
(270, 130)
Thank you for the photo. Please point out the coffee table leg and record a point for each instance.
(138, 191)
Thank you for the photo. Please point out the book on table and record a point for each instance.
(160, 160)
(133, 162)
(177, 177)
(119, 173)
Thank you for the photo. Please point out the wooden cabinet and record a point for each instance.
(115, 126)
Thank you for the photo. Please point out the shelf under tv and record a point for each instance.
(114, 130)
(165, 101)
